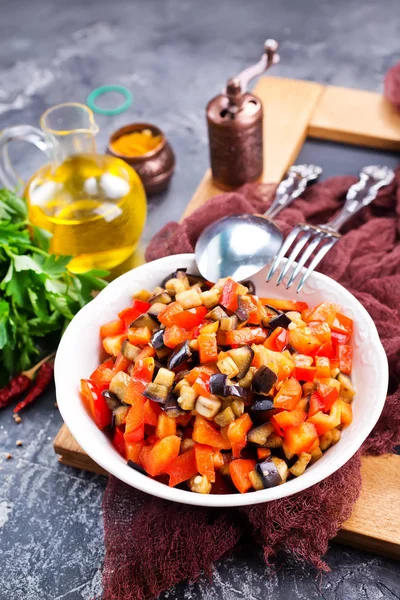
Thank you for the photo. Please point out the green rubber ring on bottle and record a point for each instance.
(104, 89)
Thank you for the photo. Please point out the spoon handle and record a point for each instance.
(290, 188)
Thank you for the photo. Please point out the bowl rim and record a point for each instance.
(141, 482)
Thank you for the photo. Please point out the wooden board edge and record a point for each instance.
(368, 544)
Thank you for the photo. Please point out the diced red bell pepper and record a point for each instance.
(188, 319)
(174, 335)
(305, 373)
(345, 322)
(289, 418)
(305, 343)
(205, 461)
(103, 374)
(182, 468)
(335, 364)
(112, 328)
(151, 411)
(112, 345)
(134, 392)
(130, 314)
(133, 451)
(323, 366)
(167, 314)
(208, 350)
(165, 426)
(328, 394)
(237, 433)
(246, 335)
(300, 438)
(183, 420)
(139, 336)
(155, 459)
(316, 404)
(325, 312)
(95, 403)
(263, 453)
(345, 354)
(255, 315)
(278, 339)
(205, 433)
(143, 370)
(146, 352)
(135, 416)
(339, 338)
(346, 415)
(229, 295)
(202, 388)
(289, 394)
(118, 441)
(325, 350)
(285, 304)
(239, 471)
(121, 364)
(323, 422)
(203, 371)
(321, 331)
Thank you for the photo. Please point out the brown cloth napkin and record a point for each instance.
(152, 544)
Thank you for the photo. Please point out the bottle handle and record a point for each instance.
(26, 133)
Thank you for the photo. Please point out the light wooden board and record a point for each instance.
(293, 110)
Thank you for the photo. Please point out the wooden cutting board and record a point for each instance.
(294, 110)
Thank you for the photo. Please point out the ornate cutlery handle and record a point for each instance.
(292, 187)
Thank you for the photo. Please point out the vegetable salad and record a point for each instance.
(213, 389)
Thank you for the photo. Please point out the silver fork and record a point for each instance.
(325, 236)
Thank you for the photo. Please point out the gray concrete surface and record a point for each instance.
(173, 55)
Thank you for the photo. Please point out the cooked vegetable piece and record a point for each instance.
(136, 467)
(205, 433)
(111, 399)
(228, 367)
(282, 467)
(207, 407)
(157, 341)
(156, 459)
(300, 465)
(237, 433)
(156, 392)
(200, 484)
(242, 357)
(268, 473)
(164, 377)
(280, 320)
(130, 351)
(208, 347)
(172, 407)
(119, 385)
(260, 434)
(119, 415)
(289, 394)
(239, 471)
(95, 403)
(165, 426)
(182, 468)
(300, 438)
(179, 356)
(263, 381)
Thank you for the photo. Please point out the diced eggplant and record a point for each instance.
(217, 314)
(229, 323)
(237, 407)
(164, 377)
(263, 380)
(248, 378)
(175, 286)
(225, 417)
(155, 309)
(269, 473)
(161, 298)
(111, 399)
(243, 357)
(260, 434)
(119, 385)
(119, 415)
(207, 407)
(347, 391)
(262, 403)
(242, 311)
(178, 274)
(256, 480)
(156, 392)
(274, 441)
(129, 350)
(282, 467)
(280, 320)
(137, 467)
(187, 397)
(180, 355)
(300, 465)
(157, 341)
(163, 352)
(228, 367)
(172, 407)
(146, 320)
(250, 286)
(220, 385)
(195, 279)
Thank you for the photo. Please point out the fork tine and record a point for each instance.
(285, 246)
(305, 256)
(305, 236)
(328, 244)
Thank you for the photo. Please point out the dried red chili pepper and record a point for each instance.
(17, 386)
(42, 380)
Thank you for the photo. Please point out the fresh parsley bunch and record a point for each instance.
(38, 295)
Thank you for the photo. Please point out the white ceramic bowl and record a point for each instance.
(78, 356)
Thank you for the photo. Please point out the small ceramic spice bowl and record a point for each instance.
(155, 167)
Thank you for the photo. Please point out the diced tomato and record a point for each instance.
(263, 453)
(151, 411)
(237, 433)
(205, 433)
(188, 319)
(139, 336)
(300, 438)
(323, 422)
(229, 296)
(205, 461)
(325, 312)
(346, 415)
(112, 328)
(143, 370)
(118, 442)
(95, 403)
(316, 404)
(246, 335)
(278, 339)
(156, 459)
(208, 350)
(305, 373)
(326, 350)
(146, 352)
(167, 315)
(112, 345)
(133, 450)
(103, 374)
(121, 364)
(323, 366)
(182, 468)
(289, 394)
(328, 395)
(174, 335)
(285, 304)
(239, 471)
(345, 354)
(340, 338)
(165, 426)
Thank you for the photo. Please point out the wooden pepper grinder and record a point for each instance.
(235, 126)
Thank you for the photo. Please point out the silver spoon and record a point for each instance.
(239, 246)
